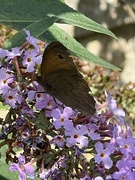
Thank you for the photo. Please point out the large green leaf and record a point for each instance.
(36, 29)
(54, 33)
(39, 17)
(33, 10)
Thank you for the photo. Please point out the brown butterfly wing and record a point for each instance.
(61, 78)
(71, 89)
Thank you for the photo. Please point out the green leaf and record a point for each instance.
(54, 33)
(32, 11)
(62, 1)
(36, 29)
(79, 20)
(57, 34)
(38, 16)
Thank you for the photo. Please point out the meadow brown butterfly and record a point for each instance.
(61, 79)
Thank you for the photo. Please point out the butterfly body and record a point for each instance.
(61, 78)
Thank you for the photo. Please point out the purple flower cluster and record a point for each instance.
(62, 144)
(22, 168)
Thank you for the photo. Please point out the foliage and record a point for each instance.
(40, 17)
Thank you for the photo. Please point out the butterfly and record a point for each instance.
(61, 79)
